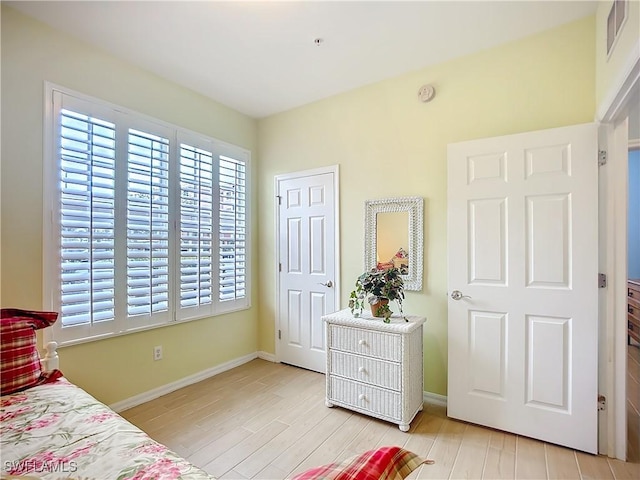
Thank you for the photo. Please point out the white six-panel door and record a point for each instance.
(307, 277)
(523, 290)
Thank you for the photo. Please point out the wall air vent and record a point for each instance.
(615, 21)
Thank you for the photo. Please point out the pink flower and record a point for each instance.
(101, 417)
(151, 449)
(43, 422)
(9, 415)
(78, 452)
(12, 400)
(162, 469)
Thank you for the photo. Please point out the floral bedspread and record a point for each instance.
(58, 430)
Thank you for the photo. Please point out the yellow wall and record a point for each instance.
(379, 134)
(32, 53)
(382, 135)
(611, 69)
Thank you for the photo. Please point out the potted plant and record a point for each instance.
(381, 286)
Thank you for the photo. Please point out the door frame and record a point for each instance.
(335, 170)
(613, 231)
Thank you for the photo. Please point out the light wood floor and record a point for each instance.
(268, 421)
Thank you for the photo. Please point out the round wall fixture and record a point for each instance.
(426, 93)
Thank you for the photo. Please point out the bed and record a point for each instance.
(52, 429)
(57, 429)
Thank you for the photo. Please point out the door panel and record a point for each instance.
(548, 341)
(294, 250)
(487, 359)
(548, 243)
(318, 309)
(294, 318)
(487, 241)
(318, 239)
(522, 243)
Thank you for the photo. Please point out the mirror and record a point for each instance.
(393, 237)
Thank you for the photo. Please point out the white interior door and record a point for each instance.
(307, 239)
(523, 289)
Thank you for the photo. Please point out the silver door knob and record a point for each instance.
(457, 295)
(329, 284)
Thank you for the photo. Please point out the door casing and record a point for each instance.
(612, 112)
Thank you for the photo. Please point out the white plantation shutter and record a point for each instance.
(147, 224)
(87, 219)
(233, 230)
(196, 229)
(143, 226)
(213, 229)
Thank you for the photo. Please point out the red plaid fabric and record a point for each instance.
(386, 463)
(19, 358)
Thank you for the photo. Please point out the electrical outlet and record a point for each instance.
(157, 352)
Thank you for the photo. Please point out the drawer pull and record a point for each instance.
(362, 370)
(362, 397)
(362, 342)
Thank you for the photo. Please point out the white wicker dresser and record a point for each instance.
(374, 367)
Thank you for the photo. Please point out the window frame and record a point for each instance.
(124, 324)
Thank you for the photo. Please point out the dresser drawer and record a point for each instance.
(386, 346)
(633, 297)
(634, 330)
(379, 402)
(634, 319)
(365, 369)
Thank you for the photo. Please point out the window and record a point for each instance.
(146, 223)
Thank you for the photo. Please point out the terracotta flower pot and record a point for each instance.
(377, 309)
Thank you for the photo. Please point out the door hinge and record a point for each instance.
(279, 199)
(279, 267)
(602, 403)
(602, 157)
(279, 334)
(602, 280)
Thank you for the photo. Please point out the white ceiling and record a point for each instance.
(260, 57)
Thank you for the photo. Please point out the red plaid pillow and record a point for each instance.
(385, 463)
(19, 358)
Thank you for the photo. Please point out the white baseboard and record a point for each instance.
(183, 382)
(269, 357)
(435, 399)
(431, 398)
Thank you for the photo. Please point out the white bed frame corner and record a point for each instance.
(51, 361)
